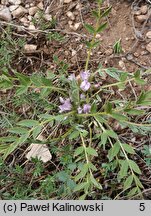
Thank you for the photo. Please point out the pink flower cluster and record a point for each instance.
(85, 85)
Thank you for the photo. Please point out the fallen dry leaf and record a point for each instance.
(40, 151)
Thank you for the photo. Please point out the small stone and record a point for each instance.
(136, 54)
(74, 52)
(40, 6)
(144, 52)
(148, 34)
(144, 9)
(5, 14)
(32, 10)
(13, 7)
(31, 27)
(98, 36)
(27, 6)
(122, 65)
(24, 20)
(67, 1)
(141, 18)
(30, 48)
(15, 2)
(4, 2)
(137, 12)
(30, 17)
(48, 17)
(20, 11)
(70, 15)
(109, 52)
(148, 47)
(76, 26)
(31, 4)
(78, 6)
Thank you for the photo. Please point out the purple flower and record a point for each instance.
(82, 96)
(85, 75)
(86, 108)
(85, 85)
(80, 110)
(72, 77)
(66, 105)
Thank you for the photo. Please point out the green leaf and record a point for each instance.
(82, 173)
(132, 192)
(28, 123)
(124, 169)
(128, 182)
(21, 90)
(119, 117)
(128, 148)
(24, 80)
(134, 167)
(113, 151)
(140, 81)
(106, 12)
(37, 131)
(46, 116)
(111, 133)
(89, 28)
(103, 139)
(134, 111)
(101, 27)
(108, 107)
(74, 135)
(91, 151)
(18, 130)
(79, 151)
(137, 181)
(15, 144)
(81, 186)
(95, 14)
(123, 76)
(95, 183)
(91, 166)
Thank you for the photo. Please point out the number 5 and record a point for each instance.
(142, 206)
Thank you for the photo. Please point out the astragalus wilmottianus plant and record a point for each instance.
(81, 114)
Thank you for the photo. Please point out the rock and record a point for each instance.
(5, 14)
(144, 52)
(13, 7)
(4, 2)
(31, 27)
(24, 20)
(148, 47)
(141, 18)
(20, 11)
(70, 15)
(76, 26)
(144, 9)
(136, 54)
(138, 12)
(29, 48)
(40, 6)
(15, 2)
(148, 34)
(32, 10)
(30, 17)
(109, 51)
(67, 1)
(122, 65)
(48, 17)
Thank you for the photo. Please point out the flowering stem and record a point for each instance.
(93, 38)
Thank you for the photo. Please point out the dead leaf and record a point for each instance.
(40, 151)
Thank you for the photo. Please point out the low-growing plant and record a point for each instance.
(82, 118)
